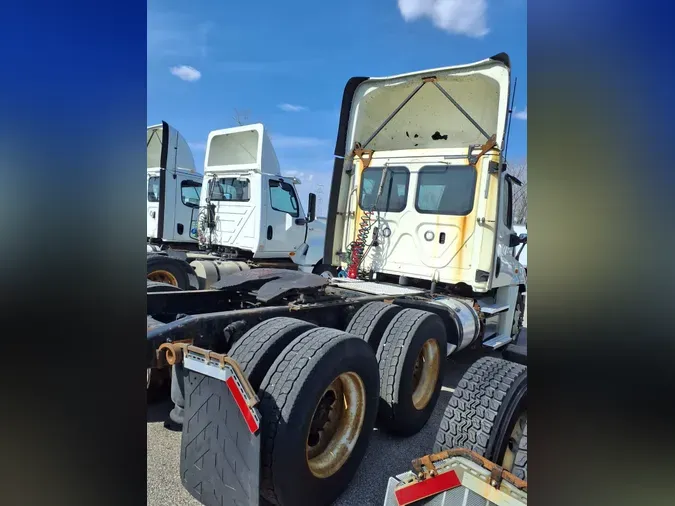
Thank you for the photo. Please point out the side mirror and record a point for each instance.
(515, 240)
(311, 208)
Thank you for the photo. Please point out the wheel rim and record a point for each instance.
(336, 425)
(514, 442)
(162, 276)
(425, 373)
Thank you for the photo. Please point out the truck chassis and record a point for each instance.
(271, 352)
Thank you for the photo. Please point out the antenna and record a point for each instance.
(508, 127)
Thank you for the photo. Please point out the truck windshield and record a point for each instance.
(230, 189)
(153, 189)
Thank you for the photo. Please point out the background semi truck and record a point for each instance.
(241, 214)
(284, 374)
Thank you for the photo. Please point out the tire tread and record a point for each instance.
(472, 410)
(252, 350)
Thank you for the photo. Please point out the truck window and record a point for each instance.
(189, 193)
(230, 189)
(394, 191)
(283, 199)
(153, 189)
(446, 189)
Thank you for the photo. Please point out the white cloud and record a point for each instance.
(186, 73)
(520, 114)
(459, 17)
(292, 108)
(289, 141)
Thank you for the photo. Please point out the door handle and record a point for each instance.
(270, 232)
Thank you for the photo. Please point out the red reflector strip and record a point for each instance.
(243, 407)
(427, 488)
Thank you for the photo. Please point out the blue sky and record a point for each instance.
(285, 64)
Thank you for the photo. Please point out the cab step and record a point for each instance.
(498, 341)
(493, 309)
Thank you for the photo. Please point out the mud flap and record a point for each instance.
(220, 445)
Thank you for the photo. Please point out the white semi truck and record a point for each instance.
(246, 215)
(283, 375)
(171, 200)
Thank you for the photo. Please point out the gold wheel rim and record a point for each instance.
(162, 276)
(336, 425)
(425, 374)
(513, 443)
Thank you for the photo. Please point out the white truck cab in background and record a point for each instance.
(246, 215)
(249, 209)
(173, 187)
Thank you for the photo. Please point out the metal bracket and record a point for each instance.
(175, 352)
(498, 473)
(496, 476)
(491, 143)
(365, 155)
(424, 467)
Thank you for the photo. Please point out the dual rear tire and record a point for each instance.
(318, 391)
(321, 393)
(410, 346)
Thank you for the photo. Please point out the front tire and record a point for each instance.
(484, 408)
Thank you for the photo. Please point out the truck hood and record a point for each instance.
(167, 149)
(429, 119)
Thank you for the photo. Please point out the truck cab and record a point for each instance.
(174, 187)
(421, 190)
(248, 208)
